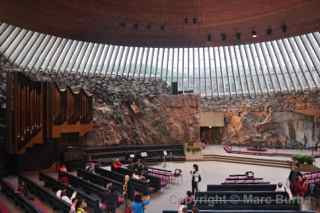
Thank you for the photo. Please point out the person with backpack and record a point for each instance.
(196, 179)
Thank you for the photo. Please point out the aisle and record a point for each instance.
(212, 173)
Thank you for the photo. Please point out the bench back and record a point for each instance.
(241, 195)
(19, 199)
(45, 195)
(100, 180)
(155, 182)
(136, 185)
(242, 187)
(56, 185)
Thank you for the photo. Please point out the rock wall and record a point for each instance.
(132, 111)
(158, 119)
(280, 120)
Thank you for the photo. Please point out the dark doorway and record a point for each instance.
(210, 135)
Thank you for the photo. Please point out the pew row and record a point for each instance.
(155, 182)
(55, 185)
(136, 185)
(242, 187)
(46, 196)
(17, 198)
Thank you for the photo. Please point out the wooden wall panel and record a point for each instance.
(40, 111)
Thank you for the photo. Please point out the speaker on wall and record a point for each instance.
(174, 87)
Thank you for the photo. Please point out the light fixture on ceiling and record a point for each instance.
(254, 34)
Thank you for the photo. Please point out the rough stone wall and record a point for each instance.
(133, 111)
(285, 120)
(149, 120)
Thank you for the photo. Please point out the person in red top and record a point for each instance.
(116, 164)
(62, 177)
(301, 186)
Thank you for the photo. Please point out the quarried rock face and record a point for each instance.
(161, 119)
(290, 121)
(130, 111)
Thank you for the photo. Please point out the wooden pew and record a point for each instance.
(245, 205)
(155, 182)
(45, 195)
(242, 187)
(136, 185)
(55, 185)
(88, 187)
(17, 198)
(242, 195)
(100, 180)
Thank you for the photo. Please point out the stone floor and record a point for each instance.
(212, 173)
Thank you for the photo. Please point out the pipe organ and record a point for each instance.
(40, 111)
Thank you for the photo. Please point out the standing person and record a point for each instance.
(293, 178)
(127, 192)
(138, 204)
(196, 179)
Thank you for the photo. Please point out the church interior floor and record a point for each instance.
(212, 173)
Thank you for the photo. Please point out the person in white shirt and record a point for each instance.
(62, 194)
(196, 179)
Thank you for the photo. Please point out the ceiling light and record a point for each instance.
(254, 34)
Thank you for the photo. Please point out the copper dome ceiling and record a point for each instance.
(165, 23)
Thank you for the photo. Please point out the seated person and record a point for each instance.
(188, 200)
(81, 206)
(250, 174)
(116, 165)
(62, 194)
(280, 188)
(140, 168)
(62, 177)
(137, 176)
(90, 167)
